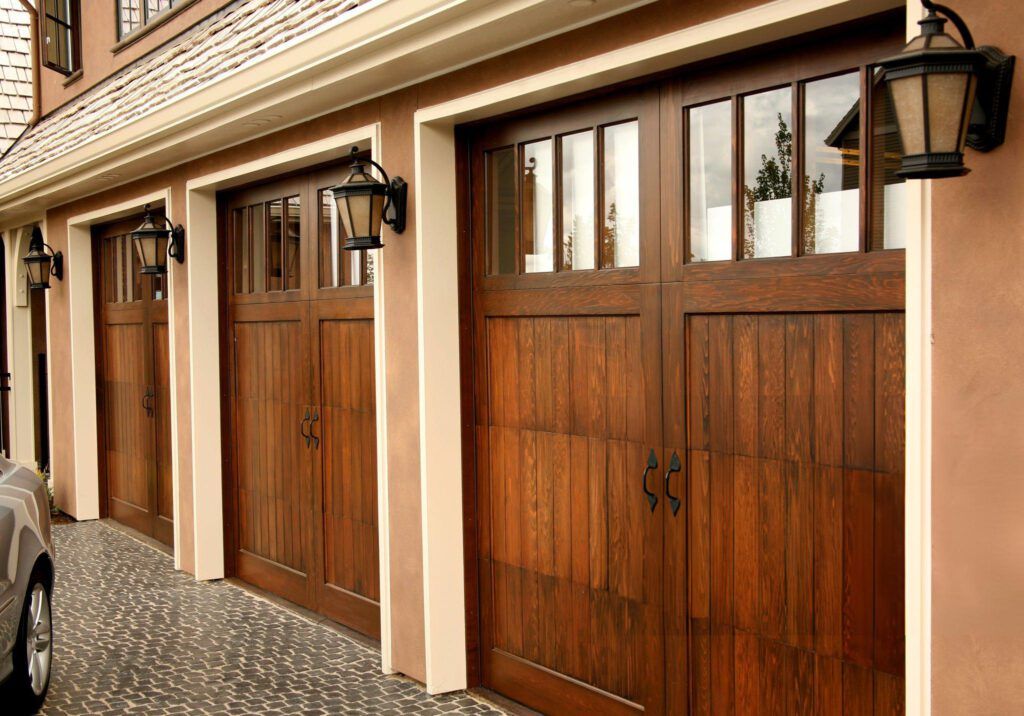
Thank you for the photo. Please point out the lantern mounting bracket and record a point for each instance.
(177, 248)
(987, 129)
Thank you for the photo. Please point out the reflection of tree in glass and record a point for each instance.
(609, 235)
(774, 181)
(568, 242)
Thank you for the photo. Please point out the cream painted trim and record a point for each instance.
(383, 511)
(19, 346)
(172, 368)
(78, 273)
(437, 271)
(918, 481)
(203, 268)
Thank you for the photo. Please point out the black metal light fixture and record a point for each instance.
(154, 244)
(364, 203)
(947, 95)
(41, 261)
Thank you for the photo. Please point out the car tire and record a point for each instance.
(33, 650)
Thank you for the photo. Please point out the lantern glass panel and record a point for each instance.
(908, 100)
(946, 120)
(37, 272)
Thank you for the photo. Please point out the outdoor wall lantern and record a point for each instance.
(946, 96)
(154, 244)
(365, 203)
(41, 262)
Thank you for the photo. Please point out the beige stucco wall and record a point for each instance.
(978, 416)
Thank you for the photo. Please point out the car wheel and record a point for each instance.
(33, 651)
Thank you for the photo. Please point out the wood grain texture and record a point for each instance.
(795, 506)
(569, 553)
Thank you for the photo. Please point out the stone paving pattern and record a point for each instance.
(133, 636)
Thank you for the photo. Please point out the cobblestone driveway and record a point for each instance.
(132, 636)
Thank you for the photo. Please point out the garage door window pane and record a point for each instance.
(501, 211)
(578, 201)
(620, 233)
(537, 213)
(710, 182)
(831, 183)
(240, 249)
(767, 178)
(275, 232)
(258, 250)
(888, 190)
(293, 241)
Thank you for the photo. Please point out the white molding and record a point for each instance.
(918, 468)
(19, 345)
(437, 271)
(440, 407)
(380, 387)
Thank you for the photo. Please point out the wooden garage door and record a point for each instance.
(134, 386)
(688, 392)
(301, 414)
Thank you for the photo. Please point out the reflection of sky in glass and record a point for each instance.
(769, 224)
(710, 182)
(622, 189)
(537, 167)
(832, 164)
(578, 200)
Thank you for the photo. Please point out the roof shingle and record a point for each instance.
(16, 84)
(238, 36)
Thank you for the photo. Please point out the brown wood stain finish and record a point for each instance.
(778, 383)
(300, 403)
(133, 386)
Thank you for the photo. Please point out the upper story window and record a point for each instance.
(61, 22)
(134, 14)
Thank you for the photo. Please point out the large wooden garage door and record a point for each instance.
(688, 393)
(301, 417)
(134, 386)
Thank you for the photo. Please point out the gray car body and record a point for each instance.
(24, 538)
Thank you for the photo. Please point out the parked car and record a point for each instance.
(26, 584)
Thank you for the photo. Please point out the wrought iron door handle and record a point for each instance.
(674, 465)
(652, 464)
(302, 427)
(316, 419)
(147, 402)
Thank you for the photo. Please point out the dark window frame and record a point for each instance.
(73, 26)
(145, 17)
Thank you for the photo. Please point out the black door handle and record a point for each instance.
(147, 402)
(652, 464)
(316, 419)
(674, 465)
(302, 427)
